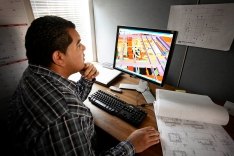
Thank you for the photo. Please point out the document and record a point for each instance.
(13, 26)
(203, 25)
(190, 125)
(106, 75)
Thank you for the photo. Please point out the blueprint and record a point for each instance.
(192, 138)
(190, 125)
(187, 106)
(203, 25)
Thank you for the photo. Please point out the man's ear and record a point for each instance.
(58, 58)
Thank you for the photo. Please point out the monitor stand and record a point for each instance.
(141, 87)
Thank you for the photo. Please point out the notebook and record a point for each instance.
(106, 75)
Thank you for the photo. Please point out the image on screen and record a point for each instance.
(144, 53)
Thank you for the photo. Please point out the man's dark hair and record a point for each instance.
(44, 36)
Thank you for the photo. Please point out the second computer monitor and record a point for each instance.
(144, 53)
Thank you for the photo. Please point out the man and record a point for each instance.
(47, 115)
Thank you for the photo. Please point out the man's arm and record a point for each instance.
(137, 142)
(124, 148)
(75, 135)
(84, 85)
(70, 135)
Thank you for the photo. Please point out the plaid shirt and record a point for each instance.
(47, 117)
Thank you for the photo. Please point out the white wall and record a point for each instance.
(205, 71)
(140, 13)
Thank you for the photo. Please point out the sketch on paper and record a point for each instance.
(192, 138)
(185, 133)
(203, 25)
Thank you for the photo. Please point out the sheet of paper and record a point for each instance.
(106, 75)
(184, 128)
(190, 107)
(230, 107)
(207, 25)
(13, 26)
(191, 138)
(13, 12)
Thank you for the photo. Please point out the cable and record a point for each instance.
(137, 98)
(182, 67)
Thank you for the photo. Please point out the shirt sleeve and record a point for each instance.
(75, 135)
(84, 87)
(124, 148)
(70, 135)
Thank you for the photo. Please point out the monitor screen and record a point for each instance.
(144, 53)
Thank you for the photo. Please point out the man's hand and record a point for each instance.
(89, 71)
(143, 138)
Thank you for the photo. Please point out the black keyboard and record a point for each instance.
(113, 105)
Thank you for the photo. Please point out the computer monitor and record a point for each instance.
(144, 53)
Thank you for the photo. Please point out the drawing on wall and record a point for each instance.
(13, 26)
(207, 26)
(12, 43)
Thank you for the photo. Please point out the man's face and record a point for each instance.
(75, 53)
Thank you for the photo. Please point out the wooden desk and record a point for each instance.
(120, 129)
(117, 127)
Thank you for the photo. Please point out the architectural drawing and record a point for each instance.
(203, 25)
(192, 138)
(185, 133)
(179, 153)
(174, 137)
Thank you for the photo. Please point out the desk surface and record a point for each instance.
(120, 129)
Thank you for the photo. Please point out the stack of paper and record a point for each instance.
(190, 125)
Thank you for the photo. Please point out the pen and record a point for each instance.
(112, 93)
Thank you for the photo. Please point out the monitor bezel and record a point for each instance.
(169, 56)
